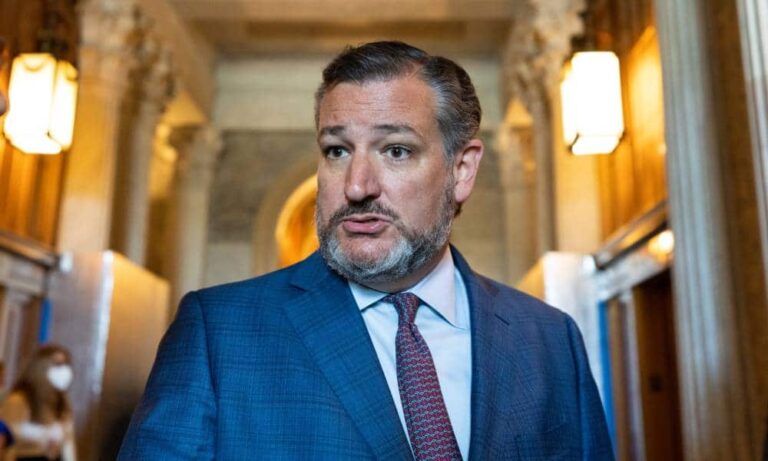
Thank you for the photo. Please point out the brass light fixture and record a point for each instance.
(43, 93)
(593, 117)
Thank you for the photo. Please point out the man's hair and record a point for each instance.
(457, 107)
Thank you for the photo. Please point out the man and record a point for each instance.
(384, 344)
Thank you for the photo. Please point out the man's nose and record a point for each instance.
(362, 180)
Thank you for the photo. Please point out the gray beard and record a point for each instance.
(411, 252)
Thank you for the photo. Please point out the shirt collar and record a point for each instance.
(437, 290)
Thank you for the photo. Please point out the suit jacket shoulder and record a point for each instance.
(278, 366)
(520, 303)
(273, 283)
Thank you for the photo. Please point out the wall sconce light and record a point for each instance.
(42, 92)
(42, 95)
(593, 119)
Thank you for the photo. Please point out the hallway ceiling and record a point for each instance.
(239, 28)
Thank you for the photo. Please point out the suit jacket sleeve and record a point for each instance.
(595, 441)
(176, 417)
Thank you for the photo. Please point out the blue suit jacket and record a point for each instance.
(282, 367)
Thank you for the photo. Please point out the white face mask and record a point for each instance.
(60, 377)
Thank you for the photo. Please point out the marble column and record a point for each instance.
(543, 167)
(198, 148)
(533, 58)
(719, 290)
(143, 108)
(86, 206)
(517, 167)
(544, 172)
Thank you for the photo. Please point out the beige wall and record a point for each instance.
(277, 93)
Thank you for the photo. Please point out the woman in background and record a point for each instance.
(38, 409)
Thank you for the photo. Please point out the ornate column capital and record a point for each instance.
(538, 43)
(152, 67)
(537, 46)
(151, 88)
(107, 29)
(158, 74)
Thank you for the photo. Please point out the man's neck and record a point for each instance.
(402, 284)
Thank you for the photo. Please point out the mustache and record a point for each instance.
(368, 206)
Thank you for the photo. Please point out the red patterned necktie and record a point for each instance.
(426, 417)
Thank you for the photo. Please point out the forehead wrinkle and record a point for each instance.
(385, 107)
(335, 130)
(394, 128)
(386, 128)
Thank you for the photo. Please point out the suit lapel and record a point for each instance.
(499, 390)
(327, 319)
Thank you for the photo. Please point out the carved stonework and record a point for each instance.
(151, 89)
(152, 69)
(159, 84)
(107, 29)
(538, 44)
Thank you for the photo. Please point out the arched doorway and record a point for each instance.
(295, 231)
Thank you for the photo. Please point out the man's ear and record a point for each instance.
(465, 166)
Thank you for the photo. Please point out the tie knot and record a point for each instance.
(406, 305)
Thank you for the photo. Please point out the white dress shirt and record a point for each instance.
(443, 320)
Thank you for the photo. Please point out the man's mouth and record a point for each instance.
(365, 224)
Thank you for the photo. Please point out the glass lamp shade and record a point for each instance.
(42, 96)
(593, 120)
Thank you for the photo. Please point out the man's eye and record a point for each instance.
(335, 152)
(397, 152)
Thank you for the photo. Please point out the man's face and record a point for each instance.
(385, 189)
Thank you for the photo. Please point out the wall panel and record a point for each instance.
(29, 184)
(632, 179)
